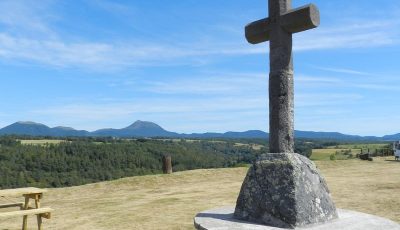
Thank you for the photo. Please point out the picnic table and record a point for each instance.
(35, 194)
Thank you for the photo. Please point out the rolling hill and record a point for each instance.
(150, 129)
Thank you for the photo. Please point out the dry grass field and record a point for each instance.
(171, 201)
(324, 154)
(360, 145)
(41, 142)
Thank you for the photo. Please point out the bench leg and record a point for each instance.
(25, 218)
(39, 217)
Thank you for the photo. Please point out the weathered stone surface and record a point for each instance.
(281, 93)
(278, 28)
(293, 21)
(222, 219)
(284, 190)
(301, 19)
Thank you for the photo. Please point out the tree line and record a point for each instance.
(86, 160)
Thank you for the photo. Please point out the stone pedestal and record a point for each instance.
(284, 190)
(222, 219)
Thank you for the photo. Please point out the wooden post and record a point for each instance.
(25, 218)
(39, 217)
(167, 164)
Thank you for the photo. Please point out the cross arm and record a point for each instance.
(301, 19)
(293, 21)
(258, 31)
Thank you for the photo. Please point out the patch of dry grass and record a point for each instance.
(253, 146)
(370, 187)
(324, 154)
(41, 142)
(171, 201)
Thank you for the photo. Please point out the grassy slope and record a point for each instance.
(171, 201)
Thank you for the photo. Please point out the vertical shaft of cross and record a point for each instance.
(281, 98)
(303, 198)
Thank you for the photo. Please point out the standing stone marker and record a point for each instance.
(167, 164)
(282, 188)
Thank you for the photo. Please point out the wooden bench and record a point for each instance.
(25, 209)
(43, 212)
(10, 205)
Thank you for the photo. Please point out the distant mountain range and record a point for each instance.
(150, 129)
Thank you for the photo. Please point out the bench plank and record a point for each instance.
(35, 211)
(10, 205)
(21, 191)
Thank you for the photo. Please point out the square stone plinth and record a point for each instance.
(284, 190)
(222, 219)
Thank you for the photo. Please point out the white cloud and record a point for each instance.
(379, 87)
(27, 18)
(344, 70)
(86, 54)
(211, 83)
(335, 41)
(105, 110)
(112, 7)
(94, 55)
(28, 37)
(326, 99)
(371, 81)
(213, 107)
(311, 79)
(92, 115)
(103, 56)
(350, 35)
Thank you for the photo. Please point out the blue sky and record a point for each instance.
(185, 65)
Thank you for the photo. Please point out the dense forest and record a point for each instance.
(77, 161)
(87, 160)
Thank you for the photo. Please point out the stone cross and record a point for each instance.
(278, 29)
(283, 189)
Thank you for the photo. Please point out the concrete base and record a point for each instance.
(222, 219)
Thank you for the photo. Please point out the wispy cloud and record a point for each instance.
(352, 35)
(85, 54)
(209, 91)
(312, 79)
(379, 87)
(372, 81)
(27, 18)
(111, 7)
(326, 99)
(211, 84)
(344, 70)
(100, 55)
(92, 115)
(57, 51)
(103, 56)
